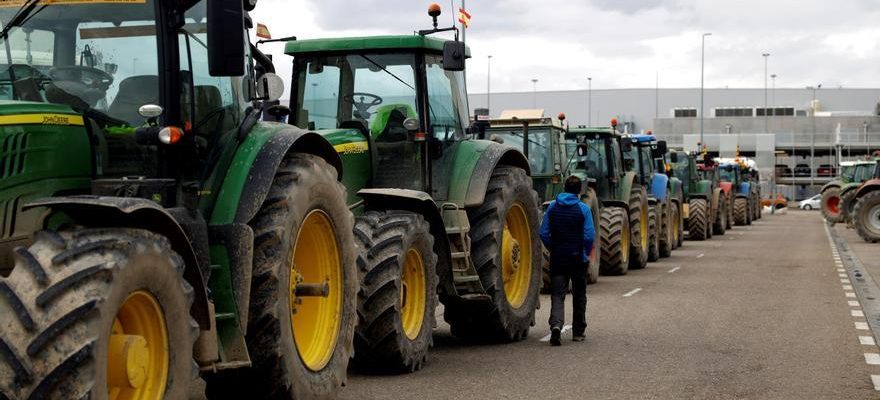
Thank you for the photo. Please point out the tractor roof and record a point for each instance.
(516, 118)
(852, 163)
(367, 44)
(599, 130)
(643, 138)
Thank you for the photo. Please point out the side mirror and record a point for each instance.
(661, 147)
(270, 87)
(673, 157)
(626, 145)
(557, 167)
(583, 149)
(453, 55)
(226, 38)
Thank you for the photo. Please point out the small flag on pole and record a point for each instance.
(263, 31)
(464, 17)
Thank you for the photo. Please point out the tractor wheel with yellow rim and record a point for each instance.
(97, 313)
(398, 293)
(506, 252)
(639, 227)
(303, 290)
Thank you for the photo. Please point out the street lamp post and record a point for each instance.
(534, 93)
(813, 139)
(589, 101)
(489, 85)
(766, 111)
(702, 81)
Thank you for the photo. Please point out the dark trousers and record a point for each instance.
(561, 273)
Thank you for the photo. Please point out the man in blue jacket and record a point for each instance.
(567, 232)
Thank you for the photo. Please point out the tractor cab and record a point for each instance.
(602, 159)
(641, 157)
(542, 141)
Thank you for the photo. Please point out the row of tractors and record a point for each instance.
(854, 198)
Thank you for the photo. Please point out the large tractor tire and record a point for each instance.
(97, 313)
(596, 254)
(506, 251)
(731, 201)
(639, 229)
(299, 345)
(866, 216)
(614, 235)
(719, 226)
(675, 222)
(848, 205)
(832, 206)
(667, 238)
(749, 212)
(679, 237)
(654, 232)
(398, 294)
(741, 211)
(698, 224)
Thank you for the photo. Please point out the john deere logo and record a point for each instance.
(352, 148)
(55, 120)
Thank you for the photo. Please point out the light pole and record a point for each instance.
(489, 85)
(813, 139)
(534, 93)
(773, 91)
(589, 101)
(702, 81)
(766, 112)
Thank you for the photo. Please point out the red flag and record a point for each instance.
(464, 17)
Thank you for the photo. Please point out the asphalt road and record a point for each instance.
(759, 313)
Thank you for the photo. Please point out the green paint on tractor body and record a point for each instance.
(604, 162)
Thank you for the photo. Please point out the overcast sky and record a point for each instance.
(620, 43)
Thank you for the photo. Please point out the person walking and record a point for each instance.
(568, 234)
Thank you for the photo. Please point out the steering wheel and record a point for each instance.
(362, 108)
(87, 83)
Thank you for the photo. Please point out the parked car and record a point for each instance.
(782, 170)
(826, 170)
(779, 202)
(802, 170)
(813, 203)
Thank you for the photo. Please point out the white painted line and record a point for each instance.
(674, 269)
(862, 326)
(867, 340)
(853, 303)
(856, 313)
(842, 275)
(632, 292)
(847, 287)
(844, 280)
(840, 270)
(876, 380)
(872, 358)
(565, 328)
(701, 255)
(850, 294)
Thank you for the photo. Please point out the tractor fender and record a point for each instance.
(659, 186)
(743, 190)
(615, 203)
(829, 185)
(869, 186)
(474, 163)
(252, 182)
(420, 203)
(849, 188)
(122, 212)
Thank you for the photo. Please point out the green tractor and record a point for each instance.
(440, 213)
(550, 156)
(623, 221)
(156, 233)
(837, 196)
(705, 203)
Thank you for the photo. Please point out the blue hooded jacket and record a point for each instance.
(568, 200)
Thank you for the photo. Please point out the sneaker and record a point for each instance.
(578, 338)
(556, 337)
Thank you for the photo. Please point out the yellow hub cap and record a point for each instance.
(516, 256)
(137, 354)
(316, 290)
(644, 231)
(412, 294)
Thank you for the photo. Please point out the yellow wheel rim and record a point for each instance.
(624, 243)
(516, 255)
(316, 290)
(412, 294)
(675, 227)
(643, 222)
(137, 354)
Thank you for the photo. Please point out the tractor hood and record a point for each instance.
(25, 112)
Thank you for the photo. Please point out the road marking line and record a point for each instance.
(867, 340)
(844, 281)
(840, 270)
(565, 328)
(862, 326)
(842, 275)
(701, 255)
(847, 287)
(632, 292)
(876, 380)
(853, 303)
(850, 294)
(872, 358)
(674, 269)
(856, 313)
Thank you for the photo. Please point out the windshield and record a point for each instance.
(728, 174)
(98, 56)
(848, 172)
(540, 155)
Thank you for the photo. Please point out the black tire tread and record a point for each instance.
(611, 233)
(697, 219)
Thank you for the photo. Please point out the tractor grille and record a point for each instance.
(12, 152)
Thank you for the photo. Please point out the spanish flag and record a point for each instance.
(464, 17)
(263, 31)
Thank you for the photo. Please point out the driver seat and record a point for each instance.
(134, 92)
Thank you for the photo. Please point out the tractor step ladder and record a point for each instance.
(464, 275)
